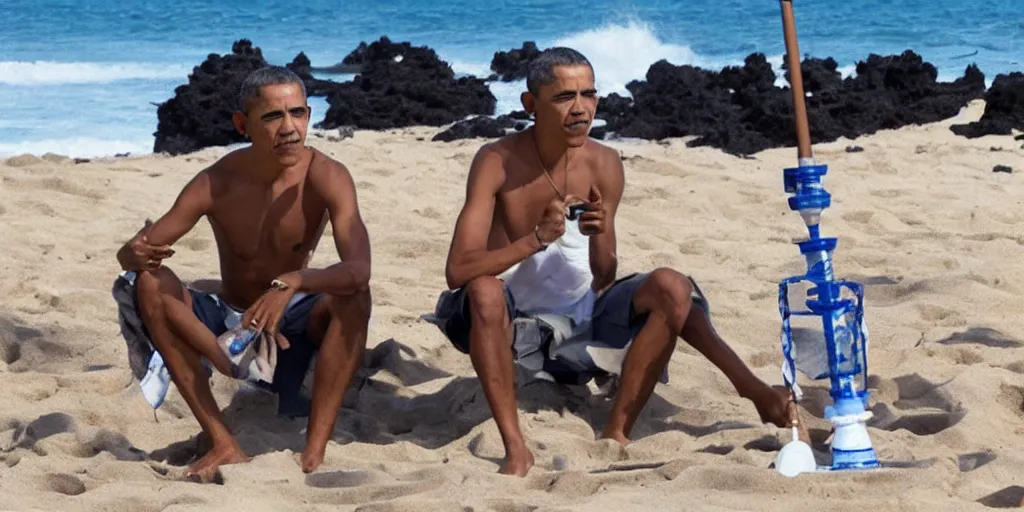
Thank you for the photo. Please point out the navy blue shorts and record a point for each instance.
(292, 364)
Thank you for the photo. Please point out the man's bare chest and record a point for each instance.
(522, 205)
(252, 228)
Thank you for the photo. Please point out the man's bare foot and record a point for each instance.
(206, 467)
(517, 462)
(312, 459)
(780, 409)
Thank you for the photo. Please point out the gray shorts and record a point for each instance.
(571, 354)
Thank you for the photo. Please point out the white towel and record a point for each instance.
(556, 280)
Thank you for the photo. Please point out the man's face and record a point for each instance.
(277, 121)
(566, 106)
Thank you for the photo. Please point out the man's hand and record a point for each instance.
(142, 255)
(552, 224)
(265, 314)
(592, 219)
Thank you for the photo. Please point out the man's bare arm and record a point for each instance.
(194, 201)
(610, 179)
(351, 238)
(468, 257)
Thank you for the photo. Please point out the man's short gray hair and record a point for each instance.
(541, 71)
(262, 77)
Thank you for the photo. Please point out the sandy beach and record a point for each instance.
(922, 221)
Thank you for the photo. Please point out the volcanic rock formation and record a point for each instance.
(199, 113)
(1004, 109)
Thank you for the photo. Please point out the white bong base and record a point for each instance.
(851, 444)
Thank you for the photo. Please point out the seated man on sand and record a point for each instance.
(532, 267)
(268, 204)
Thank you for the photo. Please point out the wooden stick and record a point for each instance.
(796, 81)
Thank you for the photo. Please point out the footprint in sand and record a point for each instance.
(64, 483)
(923, 408)
(858, 217)
(510, 506)
(938, 315)
(717, 449)
(970, 461)
(10, 351)
(66, 187)
(37, 207)
(381, 172)
(982, 336)
(342, 478)
(429, 213)
(1009, 497)
(1012, 398)
(888, 193)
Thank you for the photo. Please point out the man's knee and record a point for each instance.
(487, 303)
(153, 287)
(671, 294)
(355, 307)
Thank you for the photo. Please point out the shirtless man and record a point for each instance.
(268, 204)
(515, 254)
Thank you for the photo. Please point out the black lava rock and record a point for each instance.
(199, 113)
(401, 85)
(511, 65)
(301, 66)
(480, 126)
(1002, 168)
(1004, 109)
(741, 111)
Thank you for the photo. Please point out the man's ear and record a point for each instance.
(529, 102)
(238, 119)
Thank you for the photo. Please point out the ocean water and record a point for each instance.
(82, 77)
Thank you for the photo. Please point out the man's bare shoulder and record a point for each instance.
(329, 176)
(500, 157)
(600, 154)
(324, 165)
(215, 180)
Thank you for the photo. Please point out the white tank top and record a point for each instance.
(556, 280)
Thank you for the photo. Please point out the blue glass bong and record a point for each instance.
(839, 351)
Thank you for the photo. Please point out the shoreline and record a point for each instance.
(622, 112)
(970, 112)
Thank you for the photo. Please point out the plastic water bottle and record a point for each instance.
(238, 339)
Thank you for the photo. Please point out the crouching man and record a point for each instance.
(268, 204)
(532, 263)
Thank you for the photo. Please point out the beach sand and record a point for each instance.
(922, 221)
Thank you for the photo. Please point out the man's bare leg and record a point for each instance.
(665, 297)
(667, 306)
(166, 310)
(774, 403)
(340, 355)
(490, 349)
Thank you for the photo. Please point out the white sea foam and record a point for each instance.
(622, 53)
(77, 147)
(619, 53)
(50, 72)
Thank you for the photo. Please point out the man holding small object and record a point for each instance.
(532, 271)
(268, 204)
